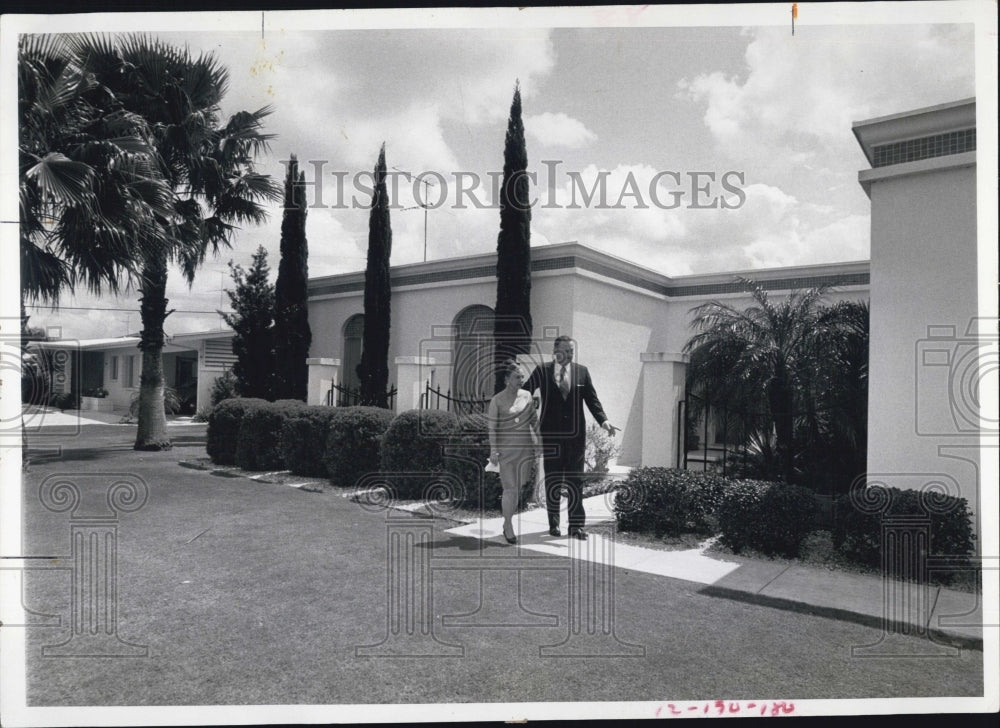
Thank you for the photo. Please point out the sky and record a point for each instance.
(679, 108)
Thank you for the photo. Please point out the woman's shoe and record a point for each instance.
(510, 539)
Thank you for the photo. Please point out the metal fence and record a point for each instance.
(434, 398)
(340, 396)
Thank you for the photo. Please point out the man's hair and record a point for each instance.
(561, 340)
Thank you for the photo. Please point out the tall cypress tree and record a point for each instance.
(292, 335)
(512, 327)
(373, 371)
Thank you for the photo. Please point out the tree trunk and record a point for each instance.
(152, 430)
(780, 398)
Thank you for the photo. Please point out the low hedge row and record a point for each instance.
(772, 518)
(412, 452)
(304, 438)
(224, 428)
(259, 444)
(857, 532)
(415, 447)
(353, 443)
(668, 501)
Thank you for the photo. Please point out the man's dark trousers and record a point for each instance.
(564, 435)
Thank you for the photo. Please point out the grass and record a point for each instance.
(817, 549)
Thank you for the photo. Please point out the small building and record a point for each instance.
(104, 373)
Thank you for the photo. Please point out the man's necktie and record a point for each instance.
(563, 382)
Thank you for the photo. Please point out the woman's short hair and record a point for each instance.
(508, 367)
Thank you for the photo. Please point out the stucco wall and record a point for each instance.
(923, 273)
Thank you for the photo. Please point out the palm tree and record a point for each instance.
(837, 428)
(207, 164)
(89, 187)
(767, 348)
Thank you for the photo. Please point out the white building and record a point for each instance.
(630, 325)
(928, 356)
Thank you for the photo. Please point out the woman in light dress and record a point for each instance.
(513, 426)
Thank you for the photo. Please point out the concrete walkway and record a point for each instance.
(950, 618)
(37, 418)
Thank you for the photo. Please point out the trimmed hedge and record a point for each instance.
(772, 518)
(353, 443)
(224, 428)
(412, 449)
(304, 440)
(858, 535)
(668, 501)
(258, 445)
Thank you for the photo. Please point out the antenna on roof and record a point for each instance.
(423, 204)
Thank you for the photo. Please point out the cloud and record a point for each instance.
(558, 130)
(807, 89)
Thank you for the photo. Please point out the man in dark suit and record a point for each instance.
(565, 387)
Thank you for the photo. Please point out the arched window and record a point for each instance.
(353, 331)
(472, 370)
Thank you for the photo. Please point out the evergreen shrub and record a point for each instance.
(858, 534)
(412, 449)
(353, 443)
(772, 518)
(668, 501)
(224, 428)
(304, 440)
(258, 444)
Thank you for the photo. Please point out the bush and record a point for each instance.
(772, 518)
(304, 440)
(224, 387)
(203, 413)
(258, 445)
(65, 400)
(667, 501)
(224, 428)
(171, 404)
(858, 535)
(601, 449)
(468, 449)
(353, 443)
(413, 445)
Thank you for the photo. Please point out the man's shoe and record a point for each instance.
(578, 533)
(555, 532)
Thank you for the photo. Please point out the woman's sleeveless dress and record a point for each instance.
(517, 454)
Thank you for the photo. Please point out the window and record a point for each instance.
(114, 367)
(130, 370)
(353, 333)
(472, 352)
